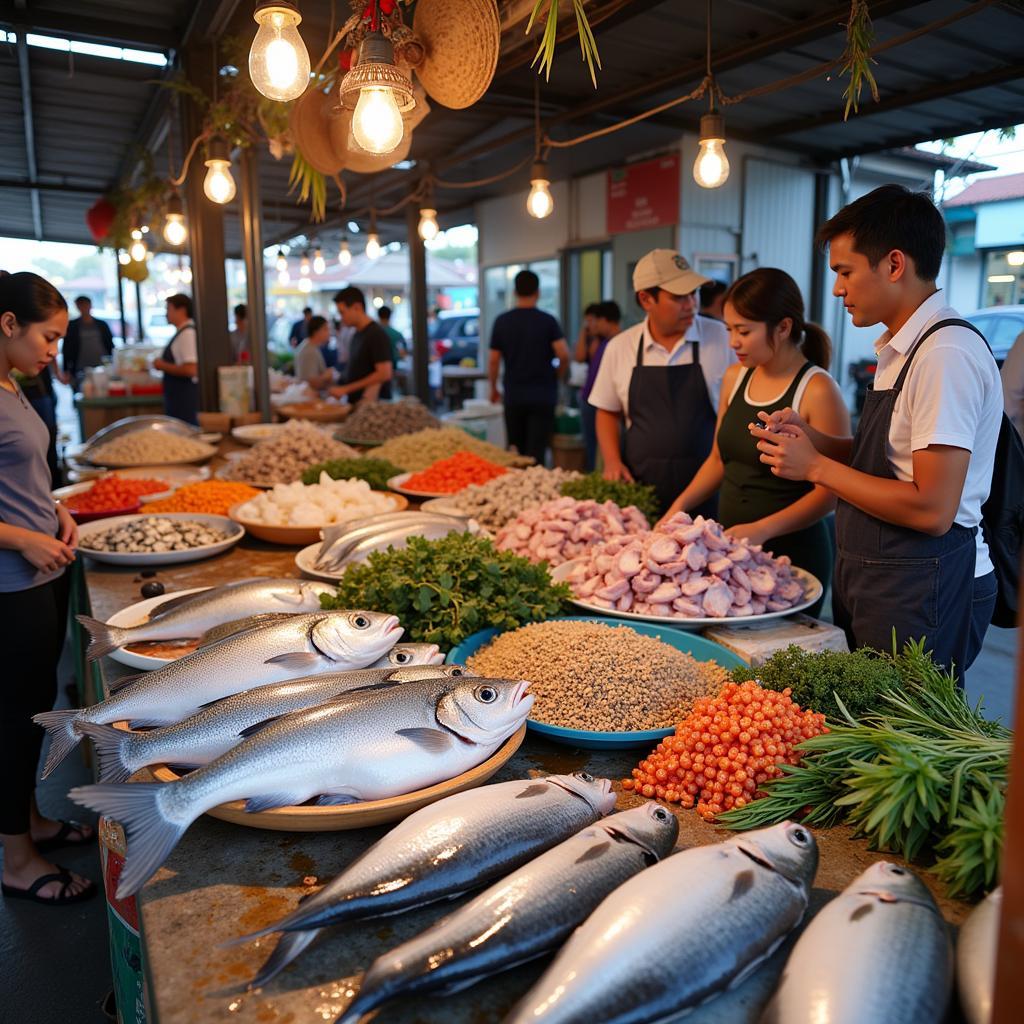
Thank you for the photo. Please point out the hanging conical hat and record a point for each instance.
(361, 162)
(462, 39)
(310, 127)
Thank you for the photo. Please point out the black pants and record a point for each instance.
(529, 429)
(35, 622)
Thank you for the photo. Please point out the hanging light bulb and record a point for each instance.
(344, 253)
(175, 231)
(384, 91)
(428, 228)
(278, 59)
(373, 249)
(218, 185)
(539, 202)
(283, 277)
(305, 284)
(711, 168)
(123, 258)
(319, 263)
(137, 250)
(281, 263)
(304, 265)
(186, 275)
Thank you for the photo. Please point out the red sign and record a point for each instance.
(644, 195)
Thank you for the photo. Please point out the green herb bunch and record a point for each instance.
(595, 487)
(444, 590)
(922, 773)
(816, 679)
(376, 472)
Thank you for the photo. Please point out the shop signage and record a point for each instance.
(643, 195)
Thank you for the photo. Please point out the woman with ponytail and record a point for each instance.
(782, 363)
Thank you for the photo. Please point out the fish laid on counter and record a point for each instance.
(447, 848)
(878, 952)
(680, 932)
(214, 730)
(976, 958)
(386, 740)
(302, 645)
(525, 915)
(189, 616)
(353, 542)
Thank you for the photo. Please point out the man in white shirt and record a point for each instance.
(662, 378)
(179, 362)
(911, 483)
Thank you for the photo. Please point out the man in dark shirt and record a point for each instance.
(368, 374)
(300, 329)
(88, 340)
(529, 341)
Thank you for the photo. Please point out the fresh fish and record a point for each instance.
(878, 952)
(226, 629)
(447, 848)
(680, 932)
(976, 958)
(214, 730)
(383, 741)
(355, 544)
(191, 615)
(408, 655)
(526, 914)
(302, 645)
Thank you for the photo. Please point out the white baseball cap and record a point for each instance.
(665, 268)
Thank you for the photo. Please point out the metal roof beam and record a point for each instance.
(30, 132)
(98, 30)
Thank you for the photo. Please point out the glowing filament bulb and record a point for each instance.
(377, 122)
(278, 59)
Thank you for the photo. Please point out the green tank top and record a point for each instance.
(750, 490)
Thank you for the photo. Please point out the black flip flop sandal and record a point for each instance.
(62, 898)
(72, 833)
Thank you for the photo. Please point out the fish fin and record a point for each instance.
(117, 685)
(251, 730)
(741, 884)
(110, 750)
(432, 740)
(102, 638)
(149, 723)
(170, 603)
(288, 947)
(151, 837)
(64, 737)
(336, 799)
(268, 801)
(539, 789)
(385, 685)
(595, 852)
(301, 661)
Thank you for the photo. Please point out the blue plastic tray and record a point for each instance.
(701, 649)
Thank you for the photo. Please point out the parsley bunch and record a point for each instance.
(594, 486)
(376, 472)
(444, 590)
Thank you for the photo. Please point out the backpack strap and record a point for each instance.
(951, 322)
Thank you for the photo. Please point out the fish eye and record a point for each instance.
(486, 694)
(456, 671)
(403, 657)
(585, 777)
(799, 837)
(359, 621)
(661, 814)
(898, 871)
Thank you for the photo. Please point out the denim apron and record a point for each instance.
(181, 394)
(890, 577)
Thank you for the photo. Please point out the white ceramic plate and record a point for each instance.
(234, 533)
(446, 506)
(397, 483)
(812, 591)
(211, 437)
(253, 433)
(177, 476)
(305, 560)
(136, 614)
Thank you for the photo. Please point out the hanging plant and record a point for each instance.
(856, 58)
(546, 51)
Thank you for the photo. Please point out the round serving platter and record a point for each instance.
(234, 533)
(135, 615)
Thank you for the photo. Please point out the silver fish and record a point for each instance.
(302, 645)
(381, 742)
(410, 654)
(525, 915)
(356, 547)
(337, 539)
(189, 616)
(878, 952)
(976, 958)
(680, 932)
(444, 849)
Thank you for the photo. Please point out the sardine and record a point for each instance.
(447, 848)
(976, 958)
(525, 915)
(302, 645)
(878, 952)
(680, 932)
(204, 736)
(370, 744)
(190, 616)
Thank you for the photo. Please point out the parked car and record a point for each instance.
(455, 335)
(1001, 325)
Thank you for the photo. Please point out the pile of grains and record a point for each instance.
(149, 534)
(417, 451)
(498, 501)
(586, 675)
(213, 497)
(284, 457)
(379, 421)
(149, 448)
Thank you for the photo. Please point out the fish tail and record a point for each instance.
(289, 946)
(372, 992)
(64, 737)
(111, 750)
(150, 836)
(102, 638)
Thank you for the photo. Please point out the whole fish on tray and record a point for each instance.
(878, 952)
(301, 645)
(680, 932)
(189, 616)
(354, 541)
(525, 915)
(976, 958)
(385, 740)
(447, 848)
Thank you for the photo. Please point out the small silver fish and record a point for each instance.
(878, 952)
(976, 958)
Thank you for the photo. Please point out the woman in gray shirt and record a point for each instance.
(37, 544)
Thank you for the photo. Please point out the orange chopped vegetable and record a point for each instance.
(446, 476)
(213, 497)
(113, 492)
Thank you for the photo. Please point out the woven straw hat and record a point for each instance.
(462, 39)
(310, 127)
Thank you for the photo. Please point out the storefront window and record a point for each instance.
(1004, 278)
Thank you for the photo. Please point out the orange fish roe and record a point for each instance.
(214, 497)
(726, 749)
(446, 476)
